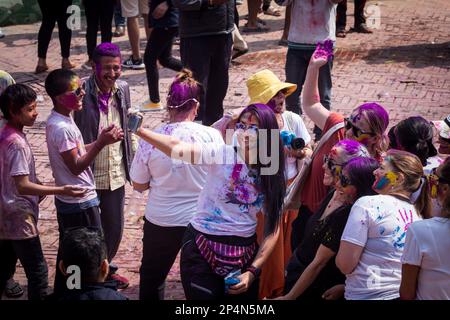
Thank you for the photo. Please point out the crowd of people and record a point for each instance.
(256, 206)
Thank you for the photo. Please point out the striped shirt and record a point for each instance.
(109, 167)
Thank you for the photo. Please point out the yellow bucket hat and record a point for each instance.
(264, 85)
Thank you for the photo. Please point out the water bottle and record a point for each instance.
(134, 203)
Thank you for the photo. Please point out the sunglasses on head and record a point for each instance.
(356, 131)
(245, 127)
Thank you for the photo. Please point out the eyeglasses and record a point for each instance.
(356, 131)
(345, 181)
(245, 127)
(330, 163)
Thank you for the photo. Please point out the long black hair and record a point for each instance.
(273, 185)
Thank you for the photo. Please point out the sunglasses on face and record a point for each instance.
(330, 163)
(245, 127)
(345, 181)
(356, 131)
(77, 92)
(437, 179)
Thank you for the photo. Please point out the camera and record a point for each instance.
(289, 139)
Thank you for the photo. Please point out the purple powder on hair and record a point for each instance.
(350, 146)
(105, 49)
(324, 50)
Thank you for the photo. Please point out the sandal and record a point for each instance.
(271, 11)
(259, 28)
(40, 69)
(13, 289)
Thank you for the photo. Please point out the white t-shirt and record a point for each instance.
(294, 123)
(62, 135)
(379, 224)
(174, 185)
(231, 198)
(428, 246)
(312, 21)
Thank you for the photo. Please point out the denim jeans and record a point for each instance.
(119, 20)
(29, 252)
(297, 61)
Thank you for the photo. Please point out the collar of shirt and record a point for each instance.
(103, 98)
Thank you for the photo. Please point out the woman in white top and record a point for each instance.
(374, 236)
(220, 241)
(174, 186)
(426, 259)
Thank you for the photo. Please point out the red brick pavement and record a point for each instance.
(404, 65)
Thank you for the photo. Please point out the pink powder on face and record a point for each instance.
(69, 101)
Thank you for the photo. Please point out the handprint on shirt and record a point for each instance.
(400, 233)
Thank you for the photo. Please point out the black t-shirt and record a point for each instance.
(318, 232)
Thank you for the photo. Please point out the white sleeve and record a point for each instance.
(217, 154)
(140, 172)
(300, 129)
(411, 253)
(19, 162)
(357, 227)
(65, 139)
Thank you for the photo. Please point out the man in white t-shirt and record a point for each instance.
(70, 158)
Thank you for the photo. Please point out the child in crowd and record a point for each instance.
(70, 158)
(19, 193)
(86, 249)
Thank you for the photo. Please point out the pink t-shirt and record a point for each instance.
(18, 213)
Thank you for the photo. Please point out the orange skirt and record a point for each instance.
(271, 282)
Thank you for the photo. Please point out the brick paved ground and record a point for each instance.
(404, 65)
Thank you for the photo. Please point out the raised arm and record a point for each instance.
(310, 94)
(171, 146)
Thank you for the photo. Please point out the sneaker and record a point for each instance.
(133, 64)
(122, 282)
(119, 32)
(150, 106)
(2, 35)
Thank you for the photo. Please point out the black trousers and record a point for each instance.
(112, 218)
(209, 59)
(159, 48)
(98, 12)
(29, 252)
(199, 280)
(299, 226)
(160, 248)
(341, 14)
(52, 12)
(85, 218)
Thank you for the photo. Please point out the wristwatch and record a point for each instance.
(256, 271)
